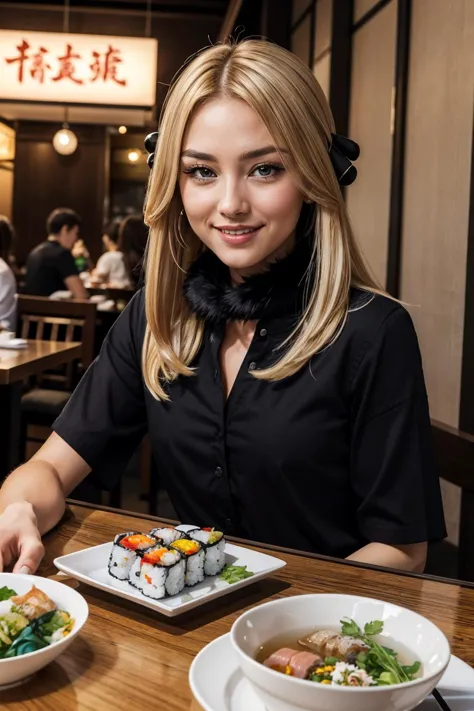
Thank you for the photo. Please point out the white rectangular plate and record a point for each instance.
(90, 566)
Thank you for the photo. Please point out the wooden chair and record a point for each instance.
(45, 319)
(454, 452)
(48, 319)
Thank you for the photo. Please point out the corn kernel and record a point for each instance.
(288, 670)
(326, 681)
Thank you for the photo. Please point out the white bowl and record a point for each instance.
(304, 613)
(17, 669)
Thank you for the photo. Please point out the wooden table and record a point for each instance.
(15, 366)
(130, 658)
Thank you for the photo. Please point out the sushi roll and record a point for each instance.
(193, 555)
(213, 543)
(124, 552)
(168, 534)
(161, 572)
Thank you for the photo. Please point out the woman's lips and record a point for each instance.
(239, 236)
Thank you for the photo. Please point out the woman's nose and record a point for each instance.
(233, 201)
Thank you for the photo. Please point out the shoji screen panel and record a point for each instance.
(436, 195)
(301, 39)
(373, 71)
(361, 7)
(322, 44)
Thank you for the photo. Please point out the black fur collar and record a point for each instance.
(275, 292)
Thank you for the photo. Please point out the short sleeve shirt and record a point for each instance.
(327, 460)
(47, 266)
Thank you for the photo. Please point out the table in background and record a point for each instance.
(129, 657)
(15, 367)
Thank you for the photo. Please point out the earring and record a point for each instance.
(178, 230)
(308, 202)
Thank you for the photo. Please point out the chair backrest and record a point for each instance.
(74, 319)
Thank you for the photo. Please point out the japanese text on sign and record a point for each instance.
(85, 68)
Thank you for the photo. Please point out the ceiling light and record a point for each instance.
(133, 156)
(122, 129)
(65, 141)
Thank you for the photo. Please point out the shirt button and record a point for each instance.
(216, 374)
(228, 522)
(263, 332)
(252, 366)
(218, 472)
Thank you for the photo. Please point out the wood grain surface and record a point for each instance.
(130, 658)
(16, 365)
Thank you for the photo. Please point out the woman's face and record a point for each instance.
(238, 197)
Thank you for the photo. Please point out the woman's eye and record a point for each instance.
(267, 170)
(199, 172)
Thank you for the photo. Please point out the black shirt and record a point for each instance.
(327, 460)
(47, 266)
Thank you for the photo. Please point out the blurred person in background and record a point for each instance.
(8, 287)
(110, 268)
(50, 266)
(133, 235)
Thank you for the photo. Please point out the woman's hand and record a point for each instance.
(20, 538)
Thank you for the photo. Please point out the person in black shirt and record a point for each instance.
(282, 389)
(50, 266)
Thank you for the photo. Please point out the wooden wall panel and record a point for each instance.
(324, 11)
(361, 7)
(45, 180)
(322, 72)
(436, 197)
(368, 199)
(298, 7)
(301, 38)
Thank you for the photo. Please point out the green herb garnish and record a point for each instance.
(235, 573)
(6, 593)
(380, 662)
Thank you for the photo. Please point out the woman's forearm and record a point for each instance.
(410, 557)
(35, 483)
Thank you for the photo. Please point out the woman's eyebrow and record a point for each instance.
(258, 153)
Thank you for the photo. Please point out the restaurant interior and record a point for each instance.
(82, 84)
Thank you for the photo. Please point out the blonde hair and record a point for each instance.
(289, 100)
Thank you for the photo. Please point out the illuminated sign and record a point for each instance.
(78, 69)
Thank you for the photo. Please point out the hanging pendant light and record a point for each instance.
(65, 140)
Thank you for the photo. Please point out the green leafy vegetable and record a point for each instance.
(380, 662)
(27, 641)
(50, 622)
(234, 573)
(6, 593)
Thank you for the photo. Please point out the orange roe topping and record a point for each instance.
(154, 556)
(185, 546)
(138, 540)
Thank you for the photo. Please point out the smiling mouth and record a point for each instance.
(238, 231)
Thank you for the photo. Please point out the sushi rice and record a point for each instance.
(193, 555)
(213, 543)
(125, 550)
(168, 534)
(162, 572)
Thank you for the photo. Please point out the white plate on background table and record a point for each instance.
(218, 684)
(14, 344)
(90, 566)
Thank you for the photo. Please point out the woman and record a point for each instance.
(132, 240)
(282, 390)
(110, 268)
(8, 287)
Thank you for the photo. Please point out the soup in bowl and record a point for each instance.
(334, 652)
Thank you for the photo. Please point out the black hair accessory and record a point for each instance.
(341, 152)
(150, 145)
